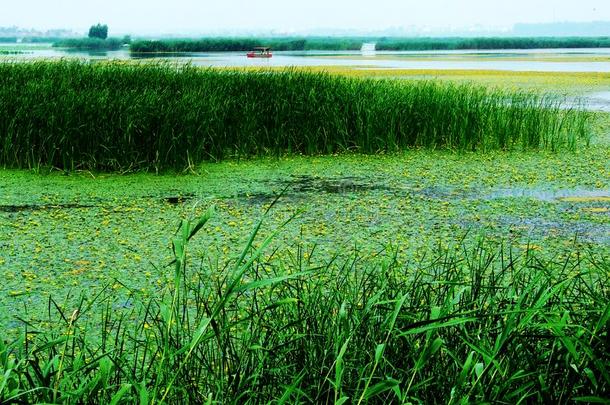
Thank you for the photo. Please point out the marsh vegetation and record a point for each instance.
(468, 324)
(116, 116)
(355, 43)
(374, 240)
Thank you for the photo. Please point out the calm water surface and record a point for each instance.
(472, 60)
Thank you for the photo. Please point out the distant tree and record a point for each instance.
(98, 31)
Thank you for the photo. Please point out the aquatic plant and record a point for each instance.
(457, 43)
(469, 324)
(109, 116)
(90, 43)
(245, 44)
(355, 43)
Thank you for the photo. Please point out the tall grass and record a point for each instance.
(245, 44)
(457, 43)
(89, 43)
(470, 325)
(355, 43)
(117, 116)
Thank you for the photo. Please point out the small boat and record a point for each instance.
(260, 52)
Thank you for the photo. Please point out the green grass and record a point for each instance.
(117, 116)
(467, 324)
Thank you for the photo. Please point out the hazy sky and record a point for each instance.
(149, 16)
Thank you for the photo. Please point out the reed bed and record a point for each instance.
(355, 43)
(468, 325)
(113, 116)
(107, 44)
(457, 43)
(245, 44)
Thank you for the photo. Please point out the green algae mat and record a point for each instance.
(61, 235)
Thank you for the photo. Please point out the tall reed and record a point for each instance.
(89, 43)
(118, 116)
(355, 43)
(472, 324)
(244, 44)
(457, 43)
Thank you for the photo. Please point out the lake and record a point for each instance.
(538, 60)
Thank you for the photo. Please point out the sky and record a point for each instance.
(205, 16)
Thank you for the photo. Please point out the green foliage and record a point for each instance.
(245, 44)
(456, 43)
(470, 324)
(90, 43)
(113, 116)
(98, 31)
(355, 43)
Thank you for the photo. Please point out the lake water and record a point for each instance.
(506, 60)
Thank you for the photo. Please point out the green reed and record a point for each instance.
(245, 44)
(228, 44)
(469, 324)
(92, 44)
(109, 116)
(459, 43)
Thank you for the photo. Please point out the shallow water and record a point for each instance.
(598, 101)
(545, 194)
